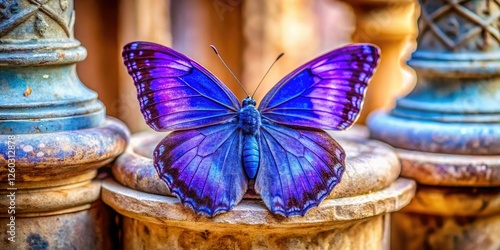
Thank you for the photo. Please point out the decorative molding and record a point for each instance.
(459, 23)
(14, 13)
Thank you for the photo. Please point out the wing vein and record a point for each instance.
(275, 163)
(211, 99)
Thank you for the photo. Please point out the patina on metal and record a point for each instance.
(455, 106)
(54, 134)
(447, 130)
(40, 89)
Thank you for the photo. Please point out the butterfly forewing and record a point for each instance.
(325, 93)
(174, 92)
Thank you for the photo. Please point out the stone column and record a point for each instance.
(353, 217)
(447, 130)
(390, 24)
(54, 134)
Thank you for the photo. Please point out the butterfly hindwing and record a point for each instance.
(174, 91)
(298, 168)
(325, 93)
(203, 167)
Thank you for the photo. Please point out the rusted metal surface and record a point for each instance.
(454, 107)
(41, 92)
(447, 130)
(54, 134)
(41, 157)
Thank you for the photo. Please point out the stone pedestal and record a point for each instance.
(54, 134)
(355, 216)
(447, 130)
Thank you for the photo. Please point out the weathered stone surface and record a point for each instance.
(370, 165)
(435, 232)
(455, 201)
(450, 169)
(360, 234)
(39, 157)
(163, 209)
(55, 200)
(54, 133)
(85, 176)
(90, 228)
(447, 129)
(154, 221)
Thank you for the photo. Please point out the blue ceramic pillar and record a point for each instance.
(54, 134)
(447, 130)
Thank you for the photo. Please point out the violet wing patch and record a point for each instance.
(325, 93)
(298, 168)
(175, 92)
(203, 167)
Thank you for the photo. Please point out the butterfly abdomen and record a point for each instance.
(250, 155)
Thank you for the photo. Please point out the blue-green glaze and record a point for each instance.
(455, 105)
(40, 90)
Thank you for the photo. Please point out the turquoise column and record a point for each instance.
(54, 134)
(447, 130)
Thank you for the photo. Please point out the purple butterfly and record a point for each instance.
(218, 148)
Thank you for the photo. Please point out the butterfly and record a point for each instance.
(218, 148)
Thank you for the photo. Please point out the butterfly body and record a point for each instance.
(249, 121)
(217, 145)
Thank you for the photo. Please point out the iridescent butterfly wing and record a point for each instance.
(300, 163)
(201, 160)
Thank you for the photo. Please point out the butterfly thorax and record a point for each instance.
(249, 117)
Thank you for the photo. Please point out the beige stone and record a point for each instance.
(157, 221)
(164, 209)
(85, 176)
(459, 201)
(360, 234)
(63, 199)
(434, 232)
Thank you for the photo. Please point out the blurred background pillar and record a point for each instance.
(447, 130)
(390, 24)
(273, 27)
(54, 133)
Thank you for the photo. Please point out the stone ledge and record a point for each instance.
(51, 201)
(47, 156)
(167, 210)
(450, 170)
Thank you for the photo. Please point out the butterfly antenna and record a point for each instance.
(277, 58)
(217, 53)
